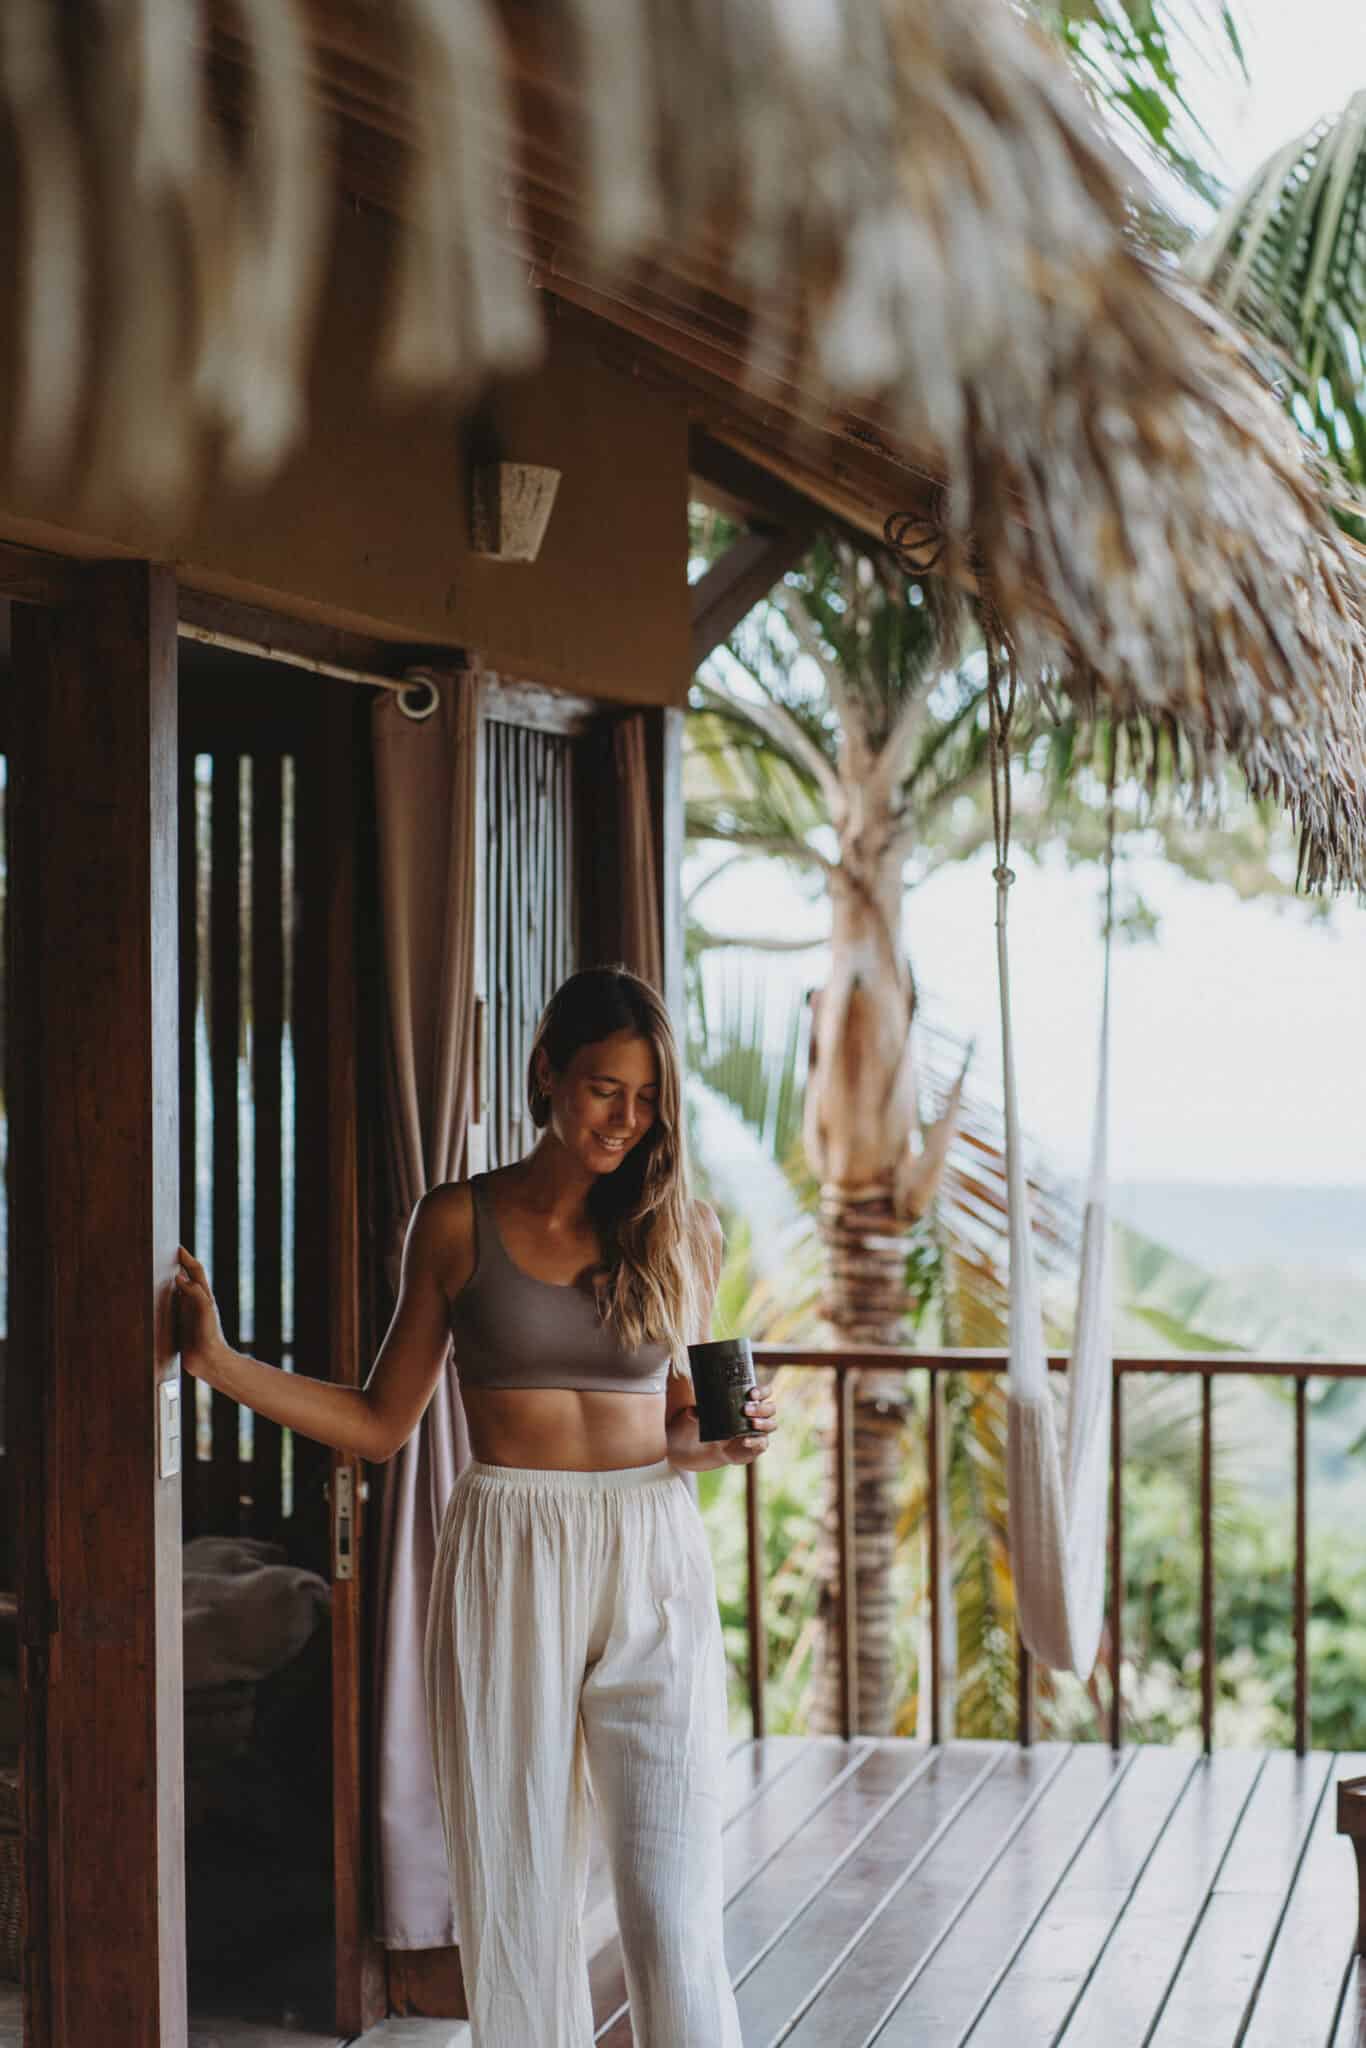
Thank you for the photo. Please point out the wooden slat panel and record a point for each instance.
(1048, 1974)
(1221, 1968)
(844, 1958)
(267, 984)
(223, 1480)
(531, 935)
(1119, 2003)
(1296, 2003)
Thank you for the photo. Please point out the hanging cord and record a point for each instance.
(1110, 843)
(1000, 716)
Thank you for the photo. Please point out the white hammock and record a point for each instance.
(1057, 1491)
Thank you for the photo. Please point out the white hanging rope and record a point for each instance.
(1057, 1491)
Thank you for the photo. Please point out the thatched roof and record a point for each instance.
(883, 239)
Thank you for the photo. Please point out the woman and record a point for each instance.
(573, 1645)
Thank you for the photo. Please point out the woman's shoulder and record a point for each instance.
(443, 1224)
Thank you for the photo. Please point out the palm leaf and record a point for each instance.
(1288, 256)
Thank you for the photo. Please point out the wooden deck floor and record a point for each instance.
(883, 1892)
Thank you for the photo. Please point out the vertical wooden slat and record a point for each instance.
(504, 941)
(96, 1151)
(1116, 1559)
(758, 1642)
(224, 1482)
(1301, 1565)
(935, 1457)
(267, 982)
(1207, 1659)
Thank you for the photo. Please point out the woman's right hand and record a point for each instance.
(198, 1328)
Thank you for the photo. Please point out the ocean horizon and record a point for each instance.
(1226, 1225)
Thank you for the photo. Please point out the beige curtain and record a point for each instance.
(642, 938)
(426, 800)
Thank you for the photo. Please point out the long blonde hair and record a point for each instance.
(655, 1289)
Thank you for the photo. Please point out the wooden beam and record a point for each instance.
(510, 701)
(33, 576)
(744, 490)
(742, 577)
(94, 1222)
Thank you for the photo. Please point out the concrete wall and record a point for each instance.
(367, 528)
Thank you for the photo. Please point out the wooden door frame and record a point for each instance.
(92, 989)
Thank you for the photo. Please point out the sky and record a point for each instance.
(1305, 57)
(1239, 1034)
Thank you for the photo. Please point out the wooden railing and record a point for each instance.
(1208, 1366)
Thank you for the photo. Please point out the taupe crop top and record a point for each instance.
(513, 1330)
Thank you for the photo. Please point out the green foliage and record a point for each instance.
(1134, 55)
(1254, 1641)
(1288, 256)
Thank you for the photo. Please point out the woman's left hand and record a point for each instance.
(743, 1450)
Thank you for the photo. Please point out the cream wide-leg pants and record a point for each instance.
(573, 1653)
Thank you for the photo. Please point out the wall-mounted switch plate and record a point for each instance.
(168, 1435)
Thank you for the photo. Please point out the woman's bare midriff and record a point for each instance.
(551, 1428)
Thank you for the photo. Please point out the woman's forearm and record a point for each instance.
(342, 1417)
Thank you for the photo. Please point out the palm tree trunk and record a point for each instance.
(865, 1304)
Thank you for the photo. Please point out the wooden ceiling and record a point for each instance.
(671, 322)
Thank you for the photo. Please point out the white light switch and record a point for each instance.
(169, 1432)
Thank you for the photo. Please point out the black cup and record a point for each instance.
(723, 1380)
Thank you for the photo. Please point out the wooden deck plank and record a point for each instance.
(755, 1831)
(900, 1929)
(946, 1990)
(866, 1799)
(1351, 2029)
(1123, 1995)
(1297, 2001)
(1220, 1970)
(1048, 1974)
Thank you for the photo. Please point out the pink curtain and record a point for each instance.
(426, 793)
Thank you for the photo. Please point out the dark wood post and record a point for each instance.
(94, 1223)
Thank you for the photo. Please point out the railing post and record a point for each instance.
(1024, 1692)
(934, 1457)
(844, 1443)
(1116, 1558)
(1207, 1673)
(758, 1644)
(1301, 1567)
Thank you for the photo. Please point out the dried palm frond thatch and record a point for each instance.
(895, 215)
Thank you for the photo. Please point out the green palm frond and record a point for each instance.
(1134, 55)
(749, 1044)
(1288, 257)
(731, 772)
